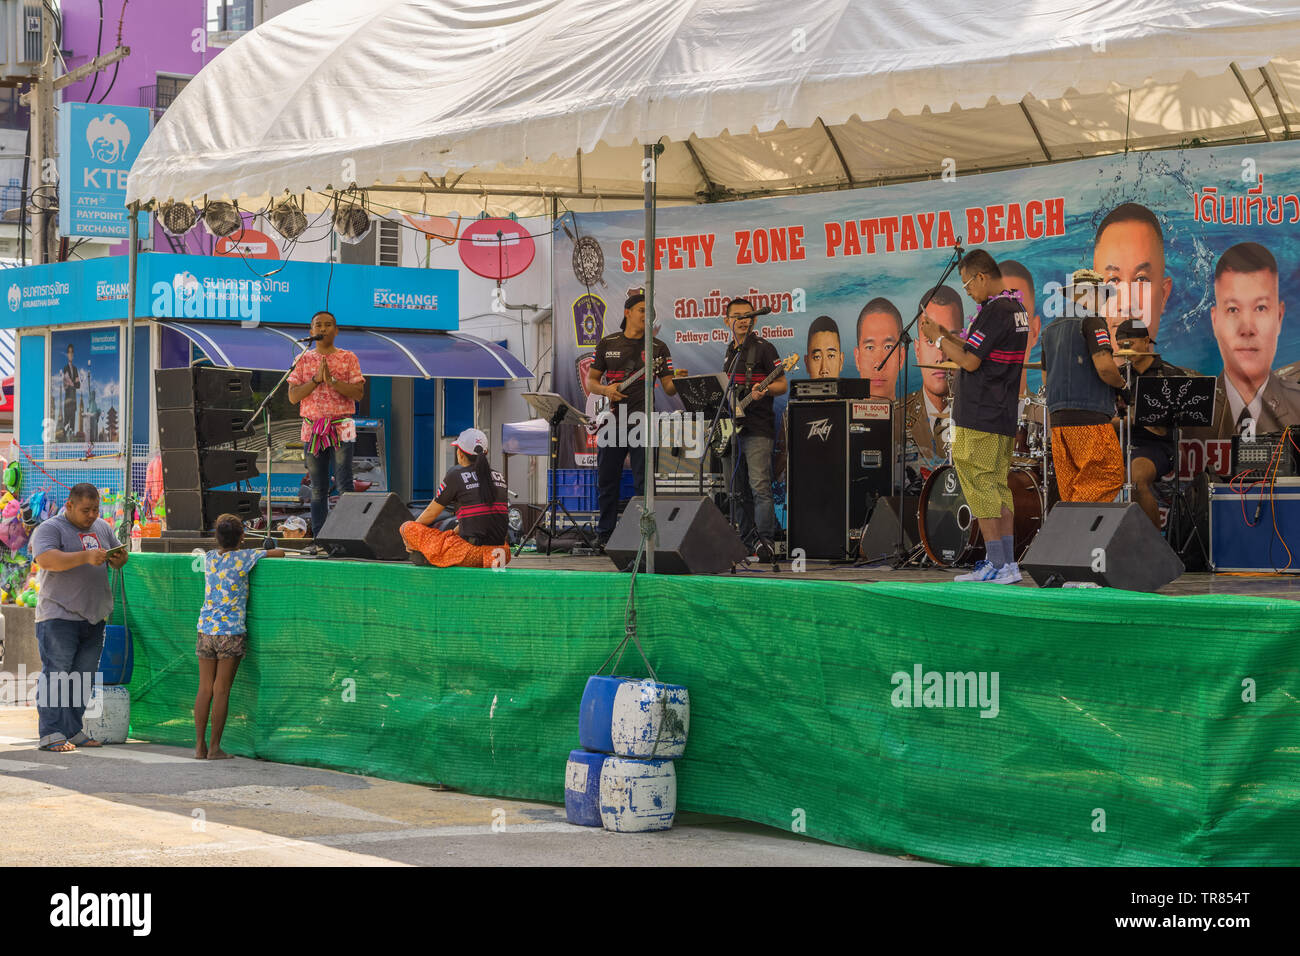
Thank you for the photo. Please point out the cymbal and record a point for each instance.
(1128, 353)
(946, 366)
(1034, 365)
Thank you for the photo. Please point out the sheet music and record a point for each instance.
(1161, 399)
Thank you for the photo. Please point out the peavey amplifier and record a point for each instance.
(840, 461)
(830, 388)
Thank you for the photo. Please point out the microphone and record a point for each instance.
(958, 247)
(312, 338)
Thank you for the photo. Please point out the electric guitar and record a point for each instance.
(604, 407)
(722, 435)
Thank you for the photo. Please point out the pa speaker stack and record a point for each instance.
(202, 411)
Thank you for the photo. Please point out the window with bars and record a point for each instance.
(390, 243)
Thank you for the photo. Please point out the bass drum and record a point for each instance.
(951, 534)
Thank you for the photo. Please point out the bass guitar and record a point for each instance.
(726, 428)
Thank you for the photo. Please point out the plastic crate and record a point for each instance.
(576, 488)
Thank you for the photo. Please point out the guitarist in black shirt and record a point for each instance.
(619, 357)
(751, 359)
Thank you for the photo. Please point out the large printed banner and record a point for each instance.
(1202, 244)
(85, 391)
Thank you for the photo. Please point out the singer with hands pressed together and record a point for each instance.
(326, 384)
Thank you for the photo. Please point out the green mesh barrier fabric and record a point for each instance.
(1121, 735)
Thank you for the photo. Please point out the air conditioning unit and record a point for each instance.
(20, 24)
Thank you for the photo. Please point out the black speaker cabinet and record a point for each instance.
(191, 468)
(1114, 545)
(365, 525)
(880, 540)
(692, 538)
(180, 428)
(203, 386)
(840, 461)
(199, 510)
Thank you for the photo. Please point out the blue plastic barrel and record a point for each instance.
(582, 788)
(637, 796)
(117, 658)
(596, 715)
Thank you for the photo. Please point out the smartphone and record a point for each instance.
(119, 548)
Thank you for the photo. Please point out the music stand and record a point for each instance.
(1175, 402)
(701, 394)
(557, 412)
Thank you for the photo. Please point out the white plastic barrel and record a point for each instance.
(108, 714)
(650, 720)
(637, 796)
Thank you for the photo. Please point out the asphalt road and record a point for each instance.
(140, 804)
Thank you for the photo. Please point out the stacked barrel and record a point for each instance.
(631, 732)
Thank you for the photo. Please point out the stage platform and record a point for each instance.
(1062, 726)
(1258, 585)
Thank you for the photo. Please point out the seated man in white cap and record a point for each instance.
(479, 496)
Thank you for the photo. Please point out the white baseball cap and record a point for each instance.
(468, 439)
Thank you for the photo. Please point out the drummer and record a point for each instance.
(1153, 446)
(1082, 378)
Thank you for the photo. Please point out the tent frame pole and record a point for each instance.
(128, 396)
(648, 529)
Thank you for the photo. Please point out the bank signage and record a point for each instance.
(98, 144)
(211, 288)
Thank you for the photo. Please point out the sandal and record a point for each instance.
(62, 747)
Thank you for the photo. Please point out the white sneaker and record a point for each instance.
(984, 571)
(1008, 574)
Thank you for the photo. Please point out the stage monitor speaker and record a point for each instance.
(203, 386)
(199, 510)
(365, 525)
(189, 468)
(182, 428)
(880, 540)
(1114, 545)
(692, 538)
(840, 460)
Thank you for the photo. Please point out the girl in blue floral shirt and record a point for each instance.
(222, 634)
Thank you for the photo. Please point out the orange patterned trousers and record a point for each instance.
(447, 549)
(1089, 463)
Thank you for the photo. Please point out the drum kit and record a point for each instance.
(949, 532)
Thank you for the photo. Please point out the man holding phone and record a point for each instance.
(75, 599)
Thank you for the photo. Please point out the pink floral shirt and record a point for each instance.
(326, 402)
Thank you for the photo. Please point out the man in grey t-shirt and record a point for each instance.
(71, 549)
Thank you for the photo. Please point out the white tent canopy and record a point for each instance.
(442, 105)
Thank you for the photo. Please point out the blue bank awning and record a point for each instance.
(404, 354)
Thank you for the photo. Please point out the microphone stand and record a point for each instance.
(735, 437)
(268, 543)
(903, 557)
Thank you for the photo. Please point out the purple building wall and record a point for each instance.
(160, 34)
